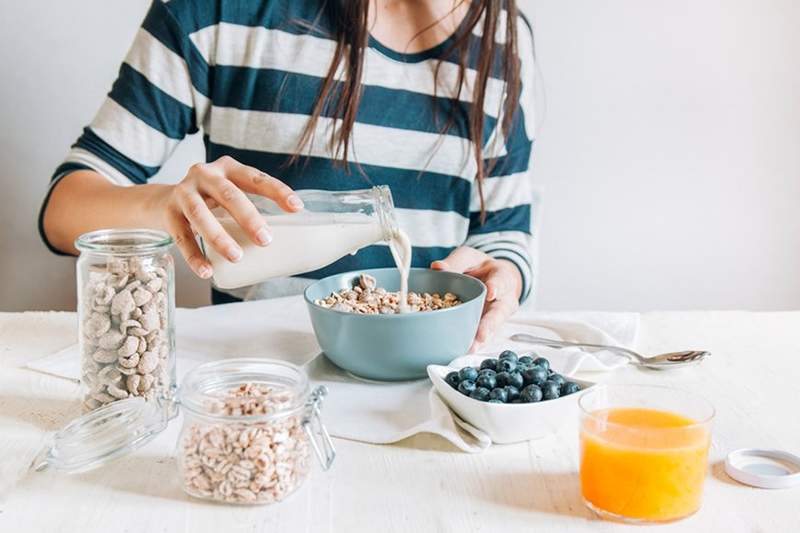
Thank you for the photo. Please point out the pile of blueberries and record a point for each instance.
(511, 379)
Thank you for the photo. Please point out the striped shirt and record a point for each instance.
(247, 74)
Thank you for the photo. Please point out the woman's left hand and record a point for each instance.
(503, 287)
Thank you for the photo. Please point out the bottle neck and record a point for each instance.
(384, 207)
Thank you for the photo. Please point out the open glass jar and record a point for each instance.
(126, 305)
(249, 428)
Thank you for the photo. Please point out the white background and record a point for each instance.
(668, 148)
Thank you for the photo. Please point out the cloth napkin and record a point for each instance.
(614, 329)
(358, 409)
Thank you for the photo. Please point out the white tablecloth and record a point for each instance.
(421, 484)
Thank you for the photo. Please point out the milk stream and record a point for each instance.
(302, 244)
(400, 247)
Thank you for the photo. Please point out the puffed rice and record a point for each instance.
(245, 462)
(126, 345)
(367, 299)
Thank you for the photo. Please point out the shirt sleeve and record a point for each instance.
(159, 96)
(506, 232)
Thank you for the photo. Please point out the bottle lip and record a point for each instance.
(124, 242)
(205, 385)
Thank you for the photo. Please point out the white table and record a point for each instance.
(421, 484)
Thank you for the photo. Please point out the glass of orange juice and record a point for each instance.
(644, 451)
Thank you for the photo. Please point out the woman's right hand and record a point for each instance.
(185, 209)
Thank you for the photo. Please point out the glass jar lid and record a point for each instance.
(124, 426)
(124, 242)
(100, 436)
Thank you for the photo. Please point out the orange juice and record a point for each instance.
(643, 464)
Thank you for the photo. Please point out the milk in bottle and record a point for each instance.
(332, 225)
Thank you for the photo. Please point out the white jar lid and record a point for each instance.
(766, 469)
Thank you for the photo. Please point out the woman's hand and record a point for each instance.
(185, 208)
(503, 287)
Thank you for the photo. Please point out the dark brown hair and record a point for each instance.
(351, 32)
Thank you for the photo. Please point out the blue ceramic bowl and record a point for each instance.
(397, 347)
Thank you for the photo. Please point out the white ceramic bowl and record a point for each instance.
(506, 423)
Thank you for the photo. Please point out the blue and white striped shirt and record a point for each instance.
(247, 74)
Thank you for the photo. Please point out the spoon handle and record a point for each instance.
(524, 337)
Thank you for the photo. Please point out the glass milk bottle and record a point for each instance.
(332, 225)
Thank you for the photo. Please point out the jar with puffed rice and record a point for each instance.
(250, 427)
(126, 305)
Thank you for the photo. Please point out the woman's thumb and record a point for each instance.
(461, 259)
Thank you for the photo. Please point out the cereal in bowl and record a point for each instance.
(365, 298)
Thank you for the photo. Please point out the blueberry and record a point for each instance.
(452, 379)
(487, 372)
(551, 390)
(503, 379)
(506, 365)
(490, 364)
(525, 360)
(569, 387)
(495, 401)
(512, 391)
(542, 362)
(480, 393)
(534, 376)
(468, 373)
(488, 381)
(515, 380)
(466, 387)
(558, 378)
(508, 354)
(499, 394)
(522, 367)
(517, 400)
(531, 394)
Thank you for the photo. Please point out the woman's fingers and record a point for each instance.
(492, 275)
(194, 208)
(254, 181)
(461, 259)
(493, 318)
(183, 235)
(235, 202)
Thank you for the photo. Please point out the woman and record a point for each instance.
(336, 94)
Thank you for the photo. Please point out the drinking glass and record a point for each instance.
(643, 451)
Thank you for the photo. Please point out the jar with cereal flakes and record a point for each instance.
(249, 429)
(126, 305)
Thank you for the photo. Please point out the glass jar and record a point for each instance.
(247, 431)
(126, 308)
(330, 226)
(249, 428)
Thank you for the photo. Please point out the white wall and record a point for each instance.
(668, 153)
(59, 60)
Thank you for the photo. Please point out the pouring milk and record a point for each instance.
(332, 225)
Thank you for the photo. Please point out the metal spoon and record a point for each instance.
(657, 362)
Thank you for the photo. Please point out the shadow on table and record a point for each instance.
(295, 346)
(546, 492)
(145, 475)
(48, 414)
(718, 471)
